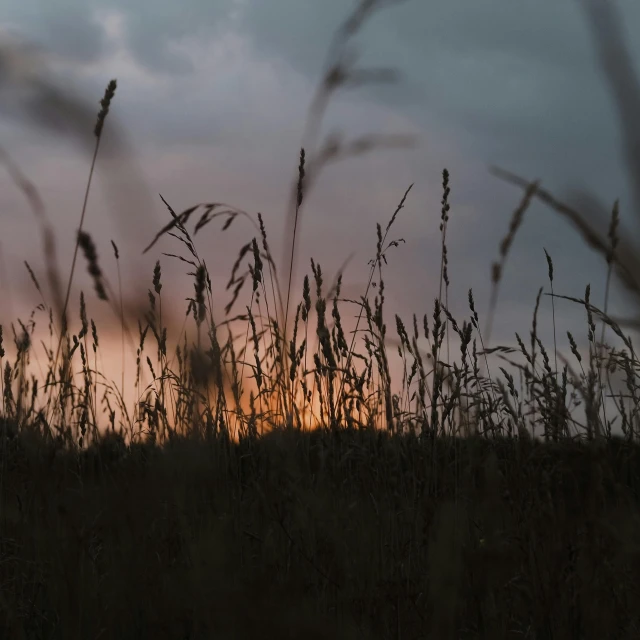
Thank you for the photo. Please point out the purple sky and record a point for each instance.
(211, 106)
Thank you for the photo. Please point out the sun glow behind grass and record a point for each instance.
(128, 389)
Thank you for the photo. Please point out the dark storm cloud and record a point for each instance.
(522, 77)
(72, 27)
(64, 27)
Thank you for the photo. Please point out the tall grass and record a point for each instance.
(387, 510)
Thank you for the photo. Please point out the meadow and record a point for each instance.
(275, 482)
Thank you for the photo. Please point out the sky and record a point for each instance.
(211, 105)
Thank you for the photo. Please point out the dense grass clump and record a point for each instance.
(274, 481)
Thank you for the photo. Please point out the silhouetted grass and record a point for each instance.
(275, 483)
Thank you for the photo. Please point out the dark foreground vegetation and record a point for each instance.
(453, 505)
(350, 534)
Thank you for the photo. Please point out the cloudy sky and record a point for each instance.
(211, 105)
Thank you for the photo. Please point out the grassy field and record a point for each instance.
(276, 483)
